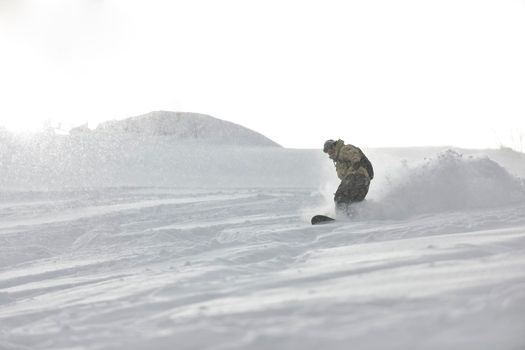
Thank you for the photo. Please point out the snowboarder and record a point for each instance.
(355, 171)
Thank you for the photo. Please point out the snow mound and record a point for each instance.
(448, 182)
(183, 126)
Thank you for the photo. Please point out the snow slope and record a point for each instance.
(87, 161)
(434, 259)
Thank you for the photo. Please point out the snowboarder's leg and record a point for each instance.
(353, 188)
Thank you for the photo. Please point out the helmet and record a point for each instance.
(328, 145)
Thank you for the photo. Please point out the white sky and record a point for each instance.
(375, 73)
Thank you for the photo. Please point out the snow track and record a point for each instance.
(162, 268)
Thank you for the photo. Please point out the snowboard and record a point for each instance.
(321, 219)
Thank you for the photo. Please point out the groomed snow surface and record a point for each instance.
(434, 259)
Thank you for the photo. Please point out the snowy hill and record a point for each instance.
(186, 126)
(151, 242)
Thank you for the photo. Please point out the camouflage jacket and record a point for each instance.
(347, 160)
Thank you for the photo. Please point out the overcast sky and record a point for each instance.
(375, 73)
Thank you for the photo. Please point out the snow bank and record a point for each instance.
(447, 182)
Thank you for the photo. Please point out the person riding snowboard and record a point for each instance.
(353, 169)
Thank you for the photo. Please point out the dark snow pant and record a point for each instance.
(352, 189)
